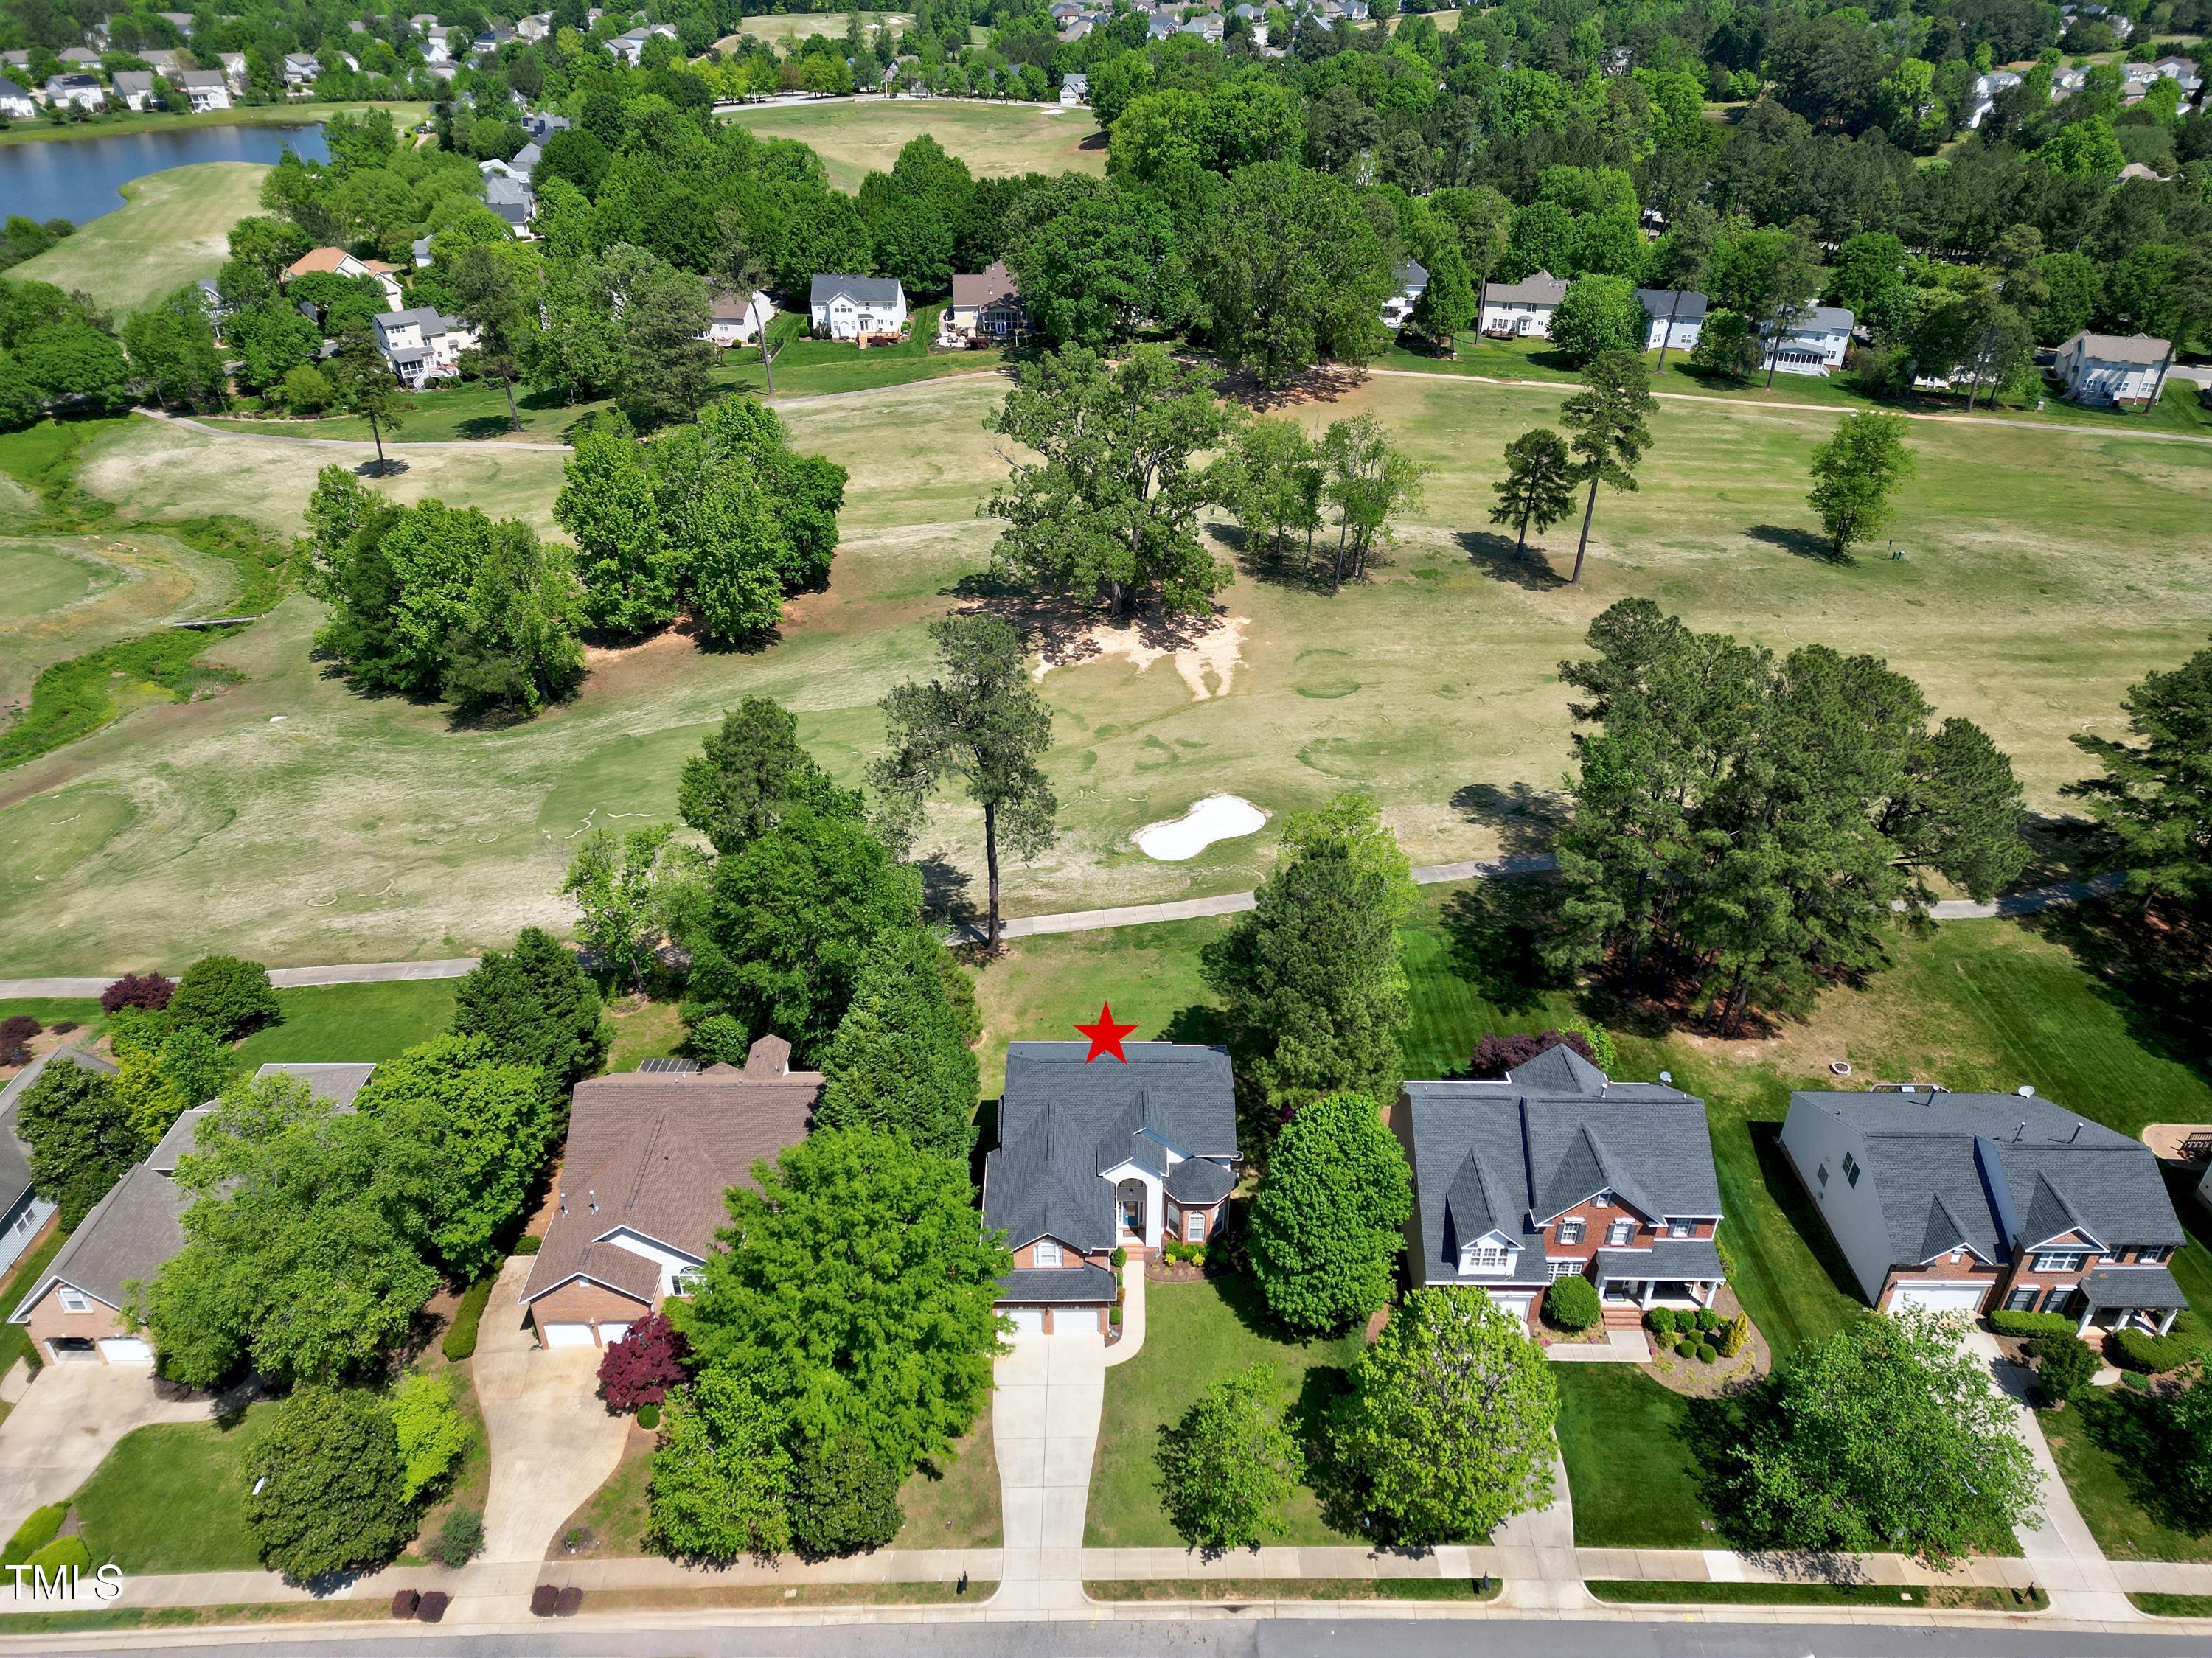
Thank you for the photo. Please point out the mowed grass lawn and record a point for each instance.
(857, 137)
(1627, 1442)
(171, 1497)
(350, 1024)
(1433, 687)
(1194, 1335)
(2114, 1464)
(173, 228)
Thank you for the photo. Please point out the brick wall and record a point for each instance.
(579, 1302)
(48, 1321)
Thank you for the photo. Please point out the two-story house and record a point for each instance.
(421, 346)
(986, 306)
(639, 1198)
(1510, 310)
(856, 307)
(1409, 280)
(2110, 368)
(207, 89)
(1099, 1156)
(1966, 1203)
(734, 321)
(338, 262)
(1811, 341)
(1674, 317)
(85, 91)
(1559, 1171)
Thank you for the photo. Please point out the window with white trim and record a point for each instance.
(2060, 1261)
(73, 1301)
(1193, 1225)
(1571, 1231)
(1044, 1253)
(2153, 1256)
(1619, 1233)
(2055, 1299)
(1681, 1229)
(1565, 1269)
(1485, 1257)
(2022, 1299)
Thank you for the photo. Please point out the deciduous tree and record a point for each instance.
(1328, 1223)
(327, 1485)
(1227, 1468)
(82, 1134)
(722, 1477)
(1856, 475)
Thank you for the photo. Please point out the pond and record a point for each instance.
(80, 179)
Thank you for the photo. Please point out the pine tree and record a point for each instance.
(1539, 485)
(898, 1061)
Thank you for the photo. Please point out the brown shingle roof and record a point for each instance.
(653, 1152)
(985, 285)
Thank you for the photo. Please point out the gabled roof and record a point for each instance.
(15, 1155)
(993, 282)
(1064, 1123)
(2008, 1171)
(653, 1152)
(1510, 1156)
(2141, 349)
(1661, 303)
(861, 290)
(1945, 1233)
(128, 1235)
(1542, 288)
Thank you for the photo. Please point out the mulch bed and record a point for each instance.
(1694, 1379)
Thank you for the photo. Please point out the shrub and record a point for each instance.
(432, 1607)
(432, 1435)
(63, 1026)
(1495, 1055)
(543, 1600)
(1195, 1253)
(1710, 1322)
(1707, 1352)
(2030, 1324)
(41, 1528)
(1734, 1334)
(1685, 1348)
(404, 1602)
(528, 1244)
(1120, 1257)
(459, 1540)
(1662, 1321)
(2063, 1365)
(1113, 1316)
(61, 1552)
(15, 1034)
(2139, 1350)
(640, 1368)
(1571, 1303)
(460, 1341)
(648, 1416)
(226, 997)
(844, 1498)
(568, 1602)
(151, 991)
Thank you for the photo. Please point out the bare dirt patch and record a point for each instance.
(1206, 662)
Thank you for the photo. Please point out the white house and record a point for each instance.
(1510, 310)
(15, 104)
(855, 307)
(423, 346)
(301, 70)
(1676, 318)
(206, 88)
(1408, 281)
(512, 200)
(1075, 89)
(1813, 343)
(629, 46)
(134, 87)
(1986, 87)
(82, 90)
(233, 69)
(2110, 368)
(339, 263)
(733, 321)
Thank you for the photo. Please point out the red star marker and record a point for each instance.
(1105, 1035)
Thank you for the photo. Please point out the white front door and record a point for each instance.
(568, 1335)
(1938, 1295)
(126, 1349)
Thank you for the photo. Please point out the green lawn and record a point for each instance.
(1629, 1445)
(955, 1505)
(125, 121)
(2112, 1460)
(173, 228)
(14, 1339)
(171, 1497)
(2174, 1605)
(351, 1023)
(1949, 1597)
(1194, 1335)
(50, 1011)
(856, 138)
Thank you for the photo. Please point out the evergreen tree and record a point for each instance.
(1539, 485)
(1447, 307)
(535, 1006)
(1328, 1223)
(751, 769)
(899, 1061)
(1607, 418)
(2154, 799)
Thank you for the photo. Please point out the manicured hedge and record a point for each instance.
(1572, 1305)
(2028, 1325)
(2139, 1350)
(461, 1335)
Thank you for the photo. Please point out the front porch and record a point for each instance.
(2141, 1298)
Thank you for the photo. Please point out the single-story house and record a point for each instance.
(987, 305)
(420, 345)
(1510, 310)
(23, 1212)
(733, 321)
(339, 263)
(1100, 1156)
(205, 87)
(1076, 88)
(1560, 1171)
(1676, 318)
(134, 87)
(1966, 1203)
(639, 1198)
(15, 103)
(2110, 368)
(856, 307)
(1408, 281)
(85, 91)
(83, 56)
(1812, 342)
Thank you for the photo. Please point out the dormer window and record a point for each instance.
(1681, 1229)
(1045, 1254)
(1485, 1257)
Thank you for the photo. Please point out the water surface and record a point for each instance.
(80, 179)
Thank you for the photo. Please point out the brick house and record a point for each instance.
(1560, 1171)
(639, 1198)
(1097, 1156)
(1966, 1203)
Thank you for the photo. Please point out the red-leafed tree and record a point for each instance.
(1495, 1055)
(147, 990)
(640, 1368)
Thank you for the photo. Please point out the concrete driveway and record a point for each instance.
(553, 1440)
(70, 1418)
(1044, 1423)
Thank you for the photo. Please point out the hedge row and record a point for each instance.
(461, 1335)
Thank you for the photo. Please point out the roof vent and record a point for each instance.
(591, 1198)
(2077, 1135)
(564, 1200)
(2019, 1129)
(2026, 1091)
(1667, 1077)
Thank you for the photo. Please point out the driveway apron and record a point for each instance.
(1044, 1422)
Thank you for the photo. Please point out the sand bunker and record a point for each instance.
(1219, 651)
(1217, 818)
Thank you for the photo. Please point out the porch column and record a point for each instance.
(2167, 1323)
(1702, 1294)
(2082, 1328)
(1643, 1297)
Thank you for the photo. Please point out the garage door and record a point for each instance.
(568, 1335)
(126, 1349)
(1936, 1295)
(610, 1334)
(72, 1350)
(1028, 1321)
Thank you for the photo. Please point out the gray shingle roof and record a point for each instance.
(861, 290)
(1063, 1123)
(1200, 1180)
(2139, 349)
(1510, 1156)
(1697, 1260)
(2002, 1172)
(1031, 1286)
(1660, 303)
(1542, 288)
(129, 1233)
(15, 1155)
(340, 1082)
(2132, 1286)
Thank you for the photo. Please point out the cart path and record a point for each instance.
(2028, 902)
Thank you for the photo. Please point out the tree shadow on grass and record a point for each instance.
(2150, 967)
(945, 894)
(1500, 557)
(1493, 929)
(2132, 1427)
(1805, 544)
(1525, 820)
